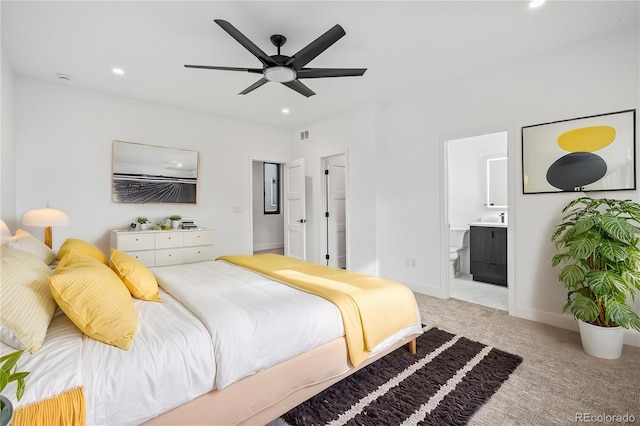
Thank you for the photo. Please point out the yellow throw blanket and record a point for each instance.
(65, 409)
(372, 308)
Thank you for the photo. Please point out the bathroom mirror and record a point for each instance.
(497, 183)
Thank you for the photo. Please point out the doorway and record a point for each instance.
(268, 218)
(333, 233)
(477, 188)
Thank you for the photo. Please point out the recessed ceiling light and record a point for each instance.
(117, 71)
(285, 110)
(536, 3)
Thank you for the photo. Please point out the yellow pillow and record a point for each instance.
(83, 247)
(139, 280)
(94, 299)
(26, 304)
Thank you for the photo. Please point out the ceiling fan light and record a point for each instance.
(279, 74)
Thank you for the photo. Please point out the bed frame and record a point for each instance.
(260, 398)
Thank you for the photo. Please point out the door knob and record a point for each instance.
(302, 221)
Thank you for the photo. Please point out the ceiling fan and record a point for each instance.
(288, 70)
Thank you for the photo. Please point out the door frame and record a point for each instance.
(252, 160)
(322, 209)
(512, 155)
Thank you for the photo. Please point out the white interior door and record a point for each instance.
(295, 241)
(336, 211)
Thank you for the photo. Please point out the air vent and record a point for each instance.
(304, 135)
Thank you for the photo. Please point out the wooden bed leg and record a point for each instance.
(413, 347)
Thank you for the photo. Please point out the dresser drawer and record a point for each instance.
(146, 257)
(172, 256)
(198, 238)
(133, 241)
(198, 254)
(168, 239)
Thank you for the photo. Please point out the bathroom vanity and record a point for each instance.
(488, 252)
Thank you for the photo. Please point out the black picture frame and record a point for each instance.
(593, 153)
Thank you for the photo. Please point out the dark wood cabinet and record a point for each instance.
(488, 254)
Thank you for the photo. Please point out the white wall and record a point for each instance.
(63, 149)
(597, 77)
(353, 133)
(268, 229)
(7, 146)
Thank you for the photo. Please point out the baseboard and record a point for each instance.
(432, 291)
(566, 321)
(268, 246)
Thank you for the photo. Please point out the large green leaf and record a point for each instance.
(560, 258)
(584, 309)
(613, 251)
(583, 225)
(633, 258)
(616, 227)
(621, 314)
(600, 282)
(581, 248)
(572, 275)
(632, 278)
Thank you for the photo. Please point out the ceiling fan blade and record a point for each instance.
(248, 44)
(254, 86)
(211, 67)
(330, 72)
(300, 88)
(316, 47)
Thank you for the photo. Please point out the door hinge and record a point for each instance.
(326, 172)
(326, 256)
(326, 214)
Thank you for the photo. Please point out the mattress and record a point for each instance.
(217, 324)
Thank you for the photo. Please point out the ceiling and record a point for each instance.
(408, 47)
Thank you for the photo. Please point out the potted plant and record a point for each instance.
(143, 223)
(175, 220)
(9, 373)
(597, 241)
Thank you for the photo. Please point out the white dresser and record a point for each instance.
(162, 248)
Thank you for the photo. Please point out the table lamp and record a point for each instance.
(47, 218)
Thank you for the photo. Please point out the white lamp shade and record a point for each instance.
(45, 217)
(5, 232)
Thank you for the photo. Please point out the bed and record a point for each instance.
(226, 345)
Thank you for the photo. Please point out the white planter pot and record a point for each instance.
(601, 342)
(175, 224)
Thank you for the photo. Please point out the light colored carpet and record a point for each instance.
(556, 381)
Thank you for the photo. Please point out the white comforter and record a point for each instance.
(219, 324)
(254, 322)
(170, 362)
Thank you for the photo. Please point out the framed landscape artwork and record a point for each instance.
(595, 153)
(153, 174)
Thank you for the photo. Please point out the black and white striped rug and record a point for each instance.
(443, 384)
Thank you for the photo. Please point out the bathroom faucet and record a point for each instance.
(502, 217)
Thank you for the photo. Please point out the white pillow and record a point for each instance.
(26, 242)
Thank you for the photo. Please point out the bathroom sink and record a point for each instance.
(493, 224)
